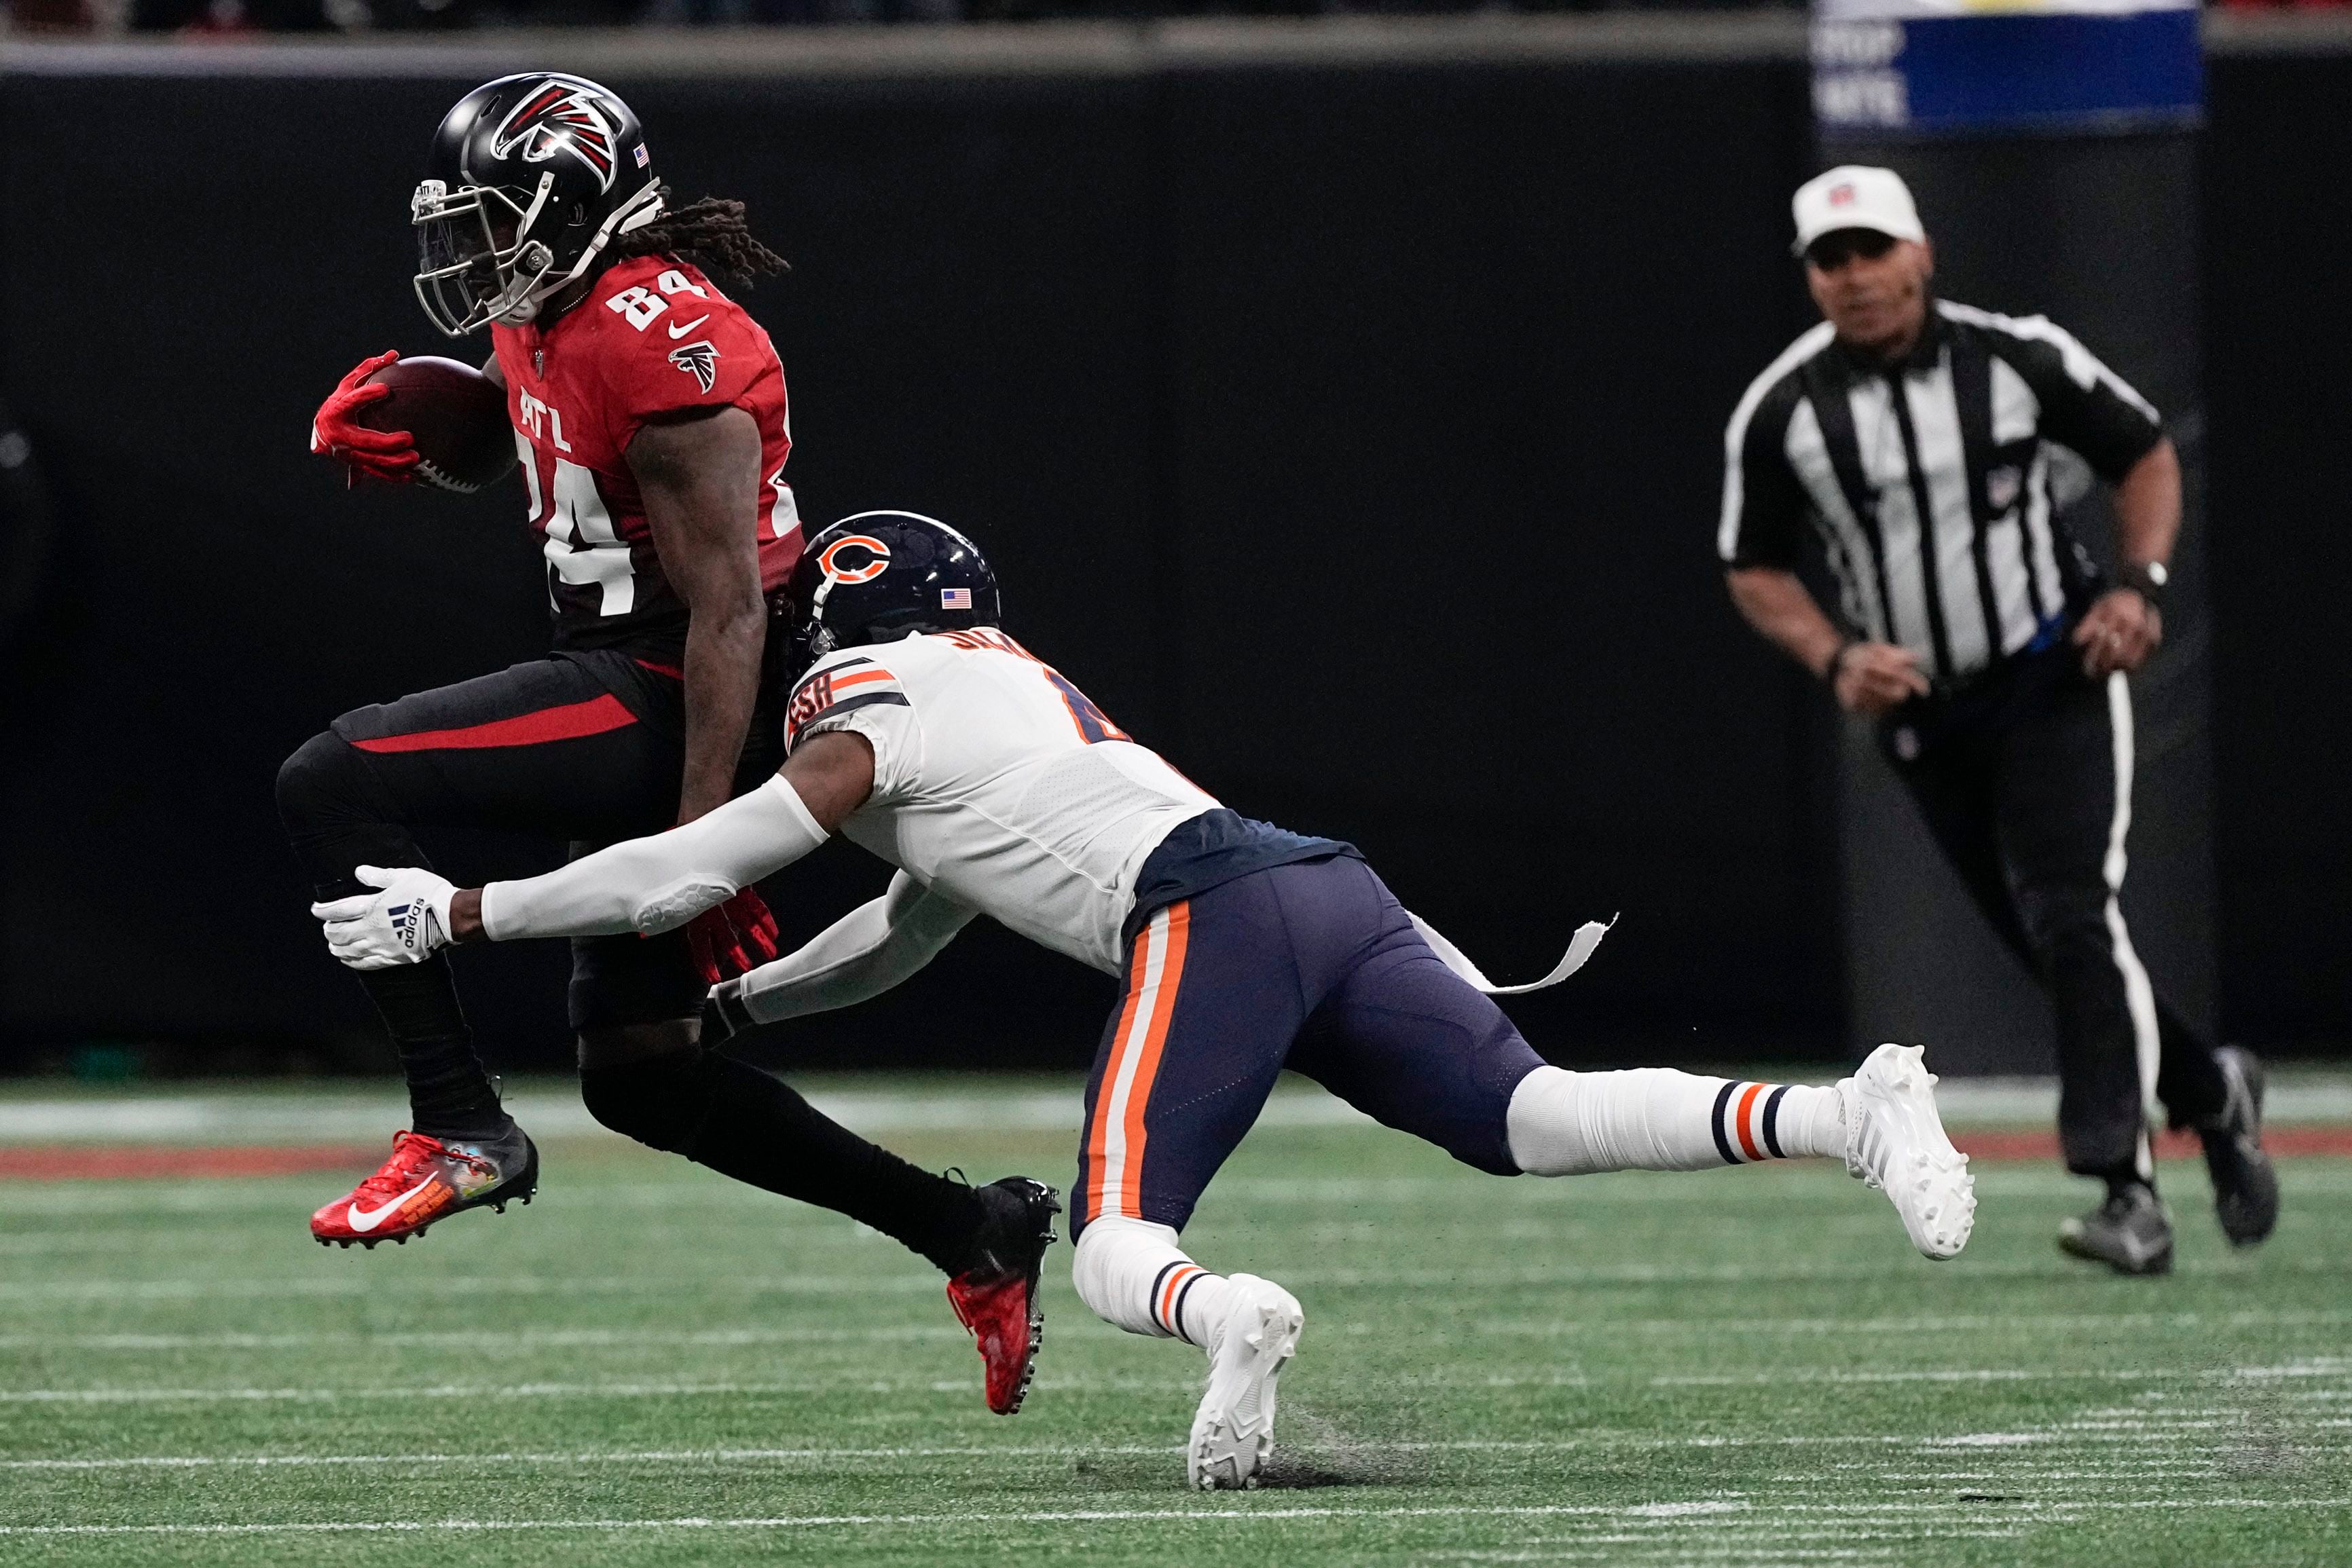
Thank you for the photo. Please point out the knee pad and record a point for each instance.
(661, 1102)
(324, 782)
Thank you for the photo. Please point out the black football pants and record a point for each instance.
(2026, 785)
(585, 746)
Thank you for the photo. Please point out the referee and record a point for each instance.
(1914, 435)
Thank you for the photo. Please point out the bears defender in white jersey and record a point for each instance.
(924, 733)
(1029, 806)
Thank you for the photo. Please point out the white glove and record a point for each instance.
(401, 925)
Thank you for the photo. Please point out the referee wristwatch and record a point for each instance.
(2145, 578)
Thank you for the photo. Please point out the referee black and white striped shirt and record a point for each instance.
(1934, 506)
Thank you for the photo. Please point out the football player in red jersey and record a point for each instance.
(650, 416)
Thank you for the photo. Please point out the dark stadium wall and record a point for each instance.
(1351, 434)
(2278, 328)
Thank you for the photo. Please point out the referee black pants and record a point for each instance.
(2026, 784)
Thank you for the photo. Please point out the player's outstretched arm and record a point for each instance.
(649, 884)
(865, 953)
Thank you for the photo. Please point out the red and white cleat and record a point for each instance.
(425, 1180)
(997, 1298)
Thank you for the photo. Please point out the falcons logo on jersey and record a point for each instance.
(700, 360)
(561, 117)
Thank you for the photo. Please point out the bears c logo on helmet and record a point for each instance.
(562, 116)
(877, 561)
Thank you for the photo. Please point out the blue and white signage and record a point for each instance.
(1931, 65)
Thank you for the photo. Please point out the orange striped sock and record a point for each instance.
(1777, 1122)
(1187, 1301)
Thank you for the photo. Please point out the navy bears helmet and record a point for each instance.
(876, 577)
(529, 178)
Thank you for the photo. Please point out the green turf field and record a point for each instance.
(653, 1366)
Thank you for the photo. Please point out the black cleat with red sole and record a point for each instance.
(996, 1297)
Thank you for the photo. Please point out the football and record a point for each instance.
(456, 415)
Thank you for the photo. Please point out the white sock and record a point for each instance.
(1135, 1276)
(1656, 1119)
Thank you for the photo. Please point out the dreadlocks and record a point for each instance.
(710, 234)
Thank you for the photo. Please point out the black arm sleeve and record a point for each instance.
(1763, 500)
(2084, 405)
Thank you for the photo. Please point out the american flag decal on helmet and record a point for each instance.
(955, 597)
(561, 117)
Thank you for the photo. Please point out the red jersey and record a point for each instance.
(654, 336)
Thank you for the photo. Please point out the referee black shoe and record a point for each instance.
(2245, 1187)
(2130, 1232)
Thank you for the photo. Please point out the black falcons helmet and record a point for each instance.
(880, 576)
(529, 178)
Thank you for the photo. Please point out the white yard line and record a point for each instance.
(552, 1113)
(1544, 1328)
(1663, 1512)
(485, 1339)
(450, 1286)
(2277, 1376)
(2006, 1374)
(378, 1284)
(1527, 1328)
(482, 1392)
(1617, 1441)
(778, 1456)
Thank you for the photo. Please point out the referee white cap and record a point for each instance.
(1854, 196)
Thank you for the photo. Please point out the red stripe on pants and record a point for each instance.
(569, 722)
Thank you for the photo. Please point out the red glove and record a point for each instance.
(731, 932)
(335, 431)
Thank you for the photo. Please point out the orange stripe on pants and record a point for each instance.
(1096, 1154)
(1115, 1142)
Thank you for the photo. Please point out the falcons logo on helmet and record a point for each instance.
(700, 360)
(561, 117)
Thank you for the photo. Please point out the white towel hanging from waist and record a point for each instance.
(1580, 947)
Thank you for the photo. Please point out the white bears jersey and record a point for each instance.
(998, 784)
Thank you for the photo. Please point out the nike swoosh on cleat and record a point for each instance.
(365, 1221)
(677, 332)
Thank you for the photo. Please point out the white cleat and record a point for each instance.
(1233, 1435)
(1896, 1142)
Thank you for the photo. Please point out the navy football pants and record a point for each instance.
(1313, 966)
